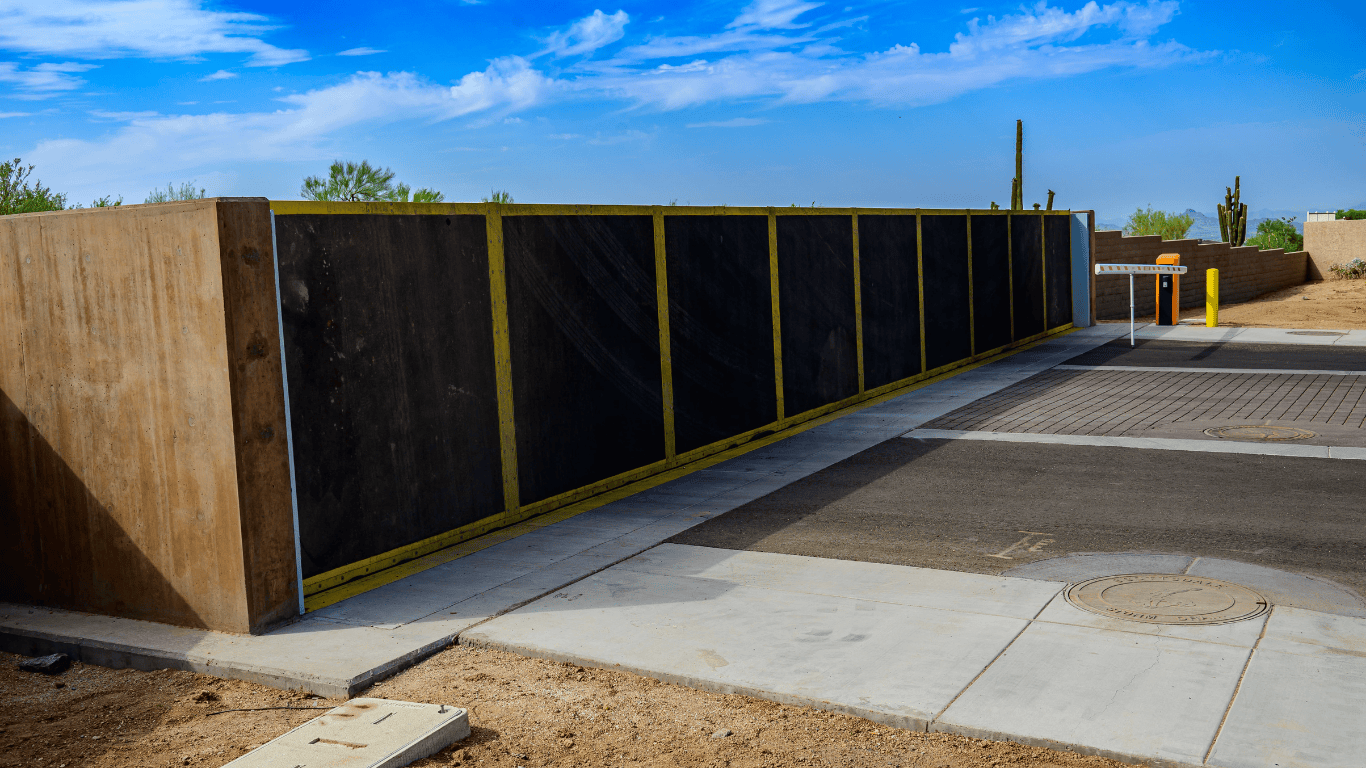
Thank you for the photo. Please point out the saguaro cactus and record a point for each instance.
(1233, 215)
(1017, 184)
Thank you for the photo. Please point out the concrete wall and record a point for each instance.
(1333, 242)
(143, 455)
(1244, 273)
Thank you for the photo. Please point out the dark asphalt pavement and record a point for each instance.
(1157, 353)
(956, 504)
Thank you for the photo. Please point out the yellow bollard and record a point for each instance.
(1211, 298)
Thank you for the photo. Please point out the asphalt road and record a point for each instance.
(1157, 353)
(954, 504)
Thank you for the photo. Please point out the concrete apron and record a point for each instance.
(983, 656)
(344, 648)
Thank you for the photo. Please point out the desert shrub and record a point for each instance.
(1352, 270)
(186, 191)
(19, 195)
(1277, 233)
(1170, 226)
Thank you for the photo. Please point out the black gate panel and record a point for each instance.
(991, 281)
(389, 353)
(816, 296)
(1026, 252)
(720, 327)
(1058, 268)
(889, 290)
(587, 398)
(948, 319)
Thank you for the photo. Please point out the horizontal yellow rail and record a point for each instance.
(317, 207)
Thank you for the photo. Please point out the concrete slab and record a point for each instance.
(1243, 634)
(1246, 335)
(1123, 695)
(1309, 633)
(1284, 588)
(1296, 711)
(364, 733)
(1149, 443)
(900, 585)
(891, 663)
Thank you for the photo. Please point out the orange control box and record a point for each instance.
(1169, 292)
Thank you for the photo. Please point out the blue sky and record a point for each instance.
(768, 102)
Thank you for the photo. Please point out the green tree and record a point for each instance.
(363, 182)
(187, 191)
(1277, 233)
(420, 195)
(19, 195)
(498, 196)
(1171, 226)
(106, 202)
(1350, 213)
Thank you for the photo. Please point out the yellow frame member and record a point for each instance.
(1174, 260)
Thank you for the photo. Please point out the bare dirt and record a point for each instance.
(1338, 305)
(523, 712)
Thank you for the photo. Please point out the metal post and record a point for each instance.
(1131, 310)
(1211, 298)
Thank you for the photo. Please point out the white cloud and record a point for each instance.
(107, 29)
(1037, 42)
(165, 143)
(14, 114)
(734, 122)
(772, 14)
(43, 80)
(588, 34)
(362, 51)
(1360, 75)
(221, 74)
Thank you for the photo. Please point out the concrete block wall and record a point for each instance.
(144, 469)
(1244, 273)
(1333, 242)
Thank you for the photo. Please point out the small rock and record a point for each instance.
(59, 685)
(53, 664)
(721, 734)
(205, 696)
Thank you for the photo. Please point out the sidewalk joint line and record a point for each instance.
(1266, 621)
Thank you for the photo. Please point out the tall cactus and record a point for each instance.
(1233, 216)
(1017, 184)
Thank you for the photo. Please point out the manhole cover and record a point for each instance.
(1259, 432)
(1318, 333)
(1165, 598)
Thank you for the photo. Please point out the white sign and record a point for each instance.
(1139, 269)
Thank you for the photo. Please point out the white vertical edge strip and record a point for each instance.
(1081, 271)
(289, 423)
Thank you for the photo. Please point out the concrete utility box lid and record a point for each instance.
(364, 733)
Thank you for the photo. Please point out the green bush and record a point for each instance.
(1352, 270)
(1277, 233)
(17, 195)
(498, 196)
(1351, 213)
(1170, 226)
(362, 182)
(187, 191)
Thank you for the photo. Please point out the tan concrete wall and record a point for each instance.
(1333, 242)
(143, 465)
(1244, 273)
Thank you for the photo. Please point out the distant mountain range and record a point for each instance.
(1206, 225)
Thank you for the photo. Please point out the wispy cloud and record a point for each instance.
(43, 80)
(172, 142)
(772, 14)
(362, 51)
(588, 34)
(107, 29)
(221, 74)
(14, 114)
(1360, 75)
(734, 122)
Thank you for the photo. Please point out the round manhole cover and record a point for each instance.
(1165, 598)
(1318, 333)
(1259, 432)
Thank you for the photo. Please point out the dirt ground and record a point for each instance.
(1338, 305)
(523, 712)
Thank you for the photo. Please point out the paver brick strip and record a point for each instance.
(1100, 402)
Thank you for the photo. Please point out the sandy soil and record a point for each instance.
(524, 712)
(1338, 305)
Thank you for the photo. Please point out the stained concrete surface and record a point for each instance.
(985, 507)
(364, 733)
(1164, 353)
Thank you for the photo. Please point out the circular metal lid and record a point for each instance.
(1259, 432)
(1167, 598)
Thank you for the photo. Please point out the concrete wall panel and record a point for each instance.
(1333, 242)
(119, 479)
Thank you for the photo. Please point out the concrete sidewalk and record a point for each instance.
(983, 656)
(344, 648)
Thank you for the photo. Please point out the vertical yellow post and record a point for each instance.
(666, 366)
(1211, 298)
